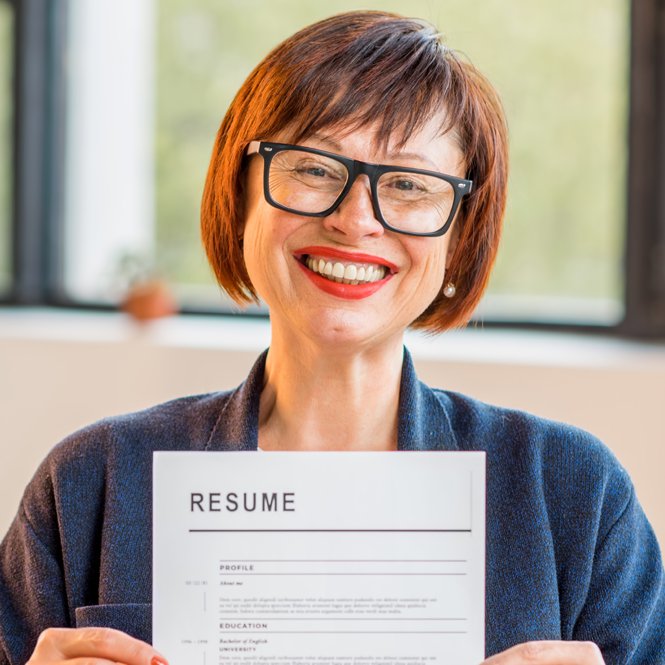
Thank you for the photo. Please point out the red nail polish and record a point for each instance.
(158, 660)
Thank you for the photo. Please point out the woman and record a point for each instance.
(357, 185)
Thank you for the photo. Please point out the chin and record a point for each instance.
(348, 330)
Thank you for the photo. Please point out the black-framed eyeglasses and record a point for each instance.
(312, 182)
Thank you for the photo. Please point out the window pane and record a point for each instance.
(109, 196)
(564, 82)
(562, 71)
(6, 114)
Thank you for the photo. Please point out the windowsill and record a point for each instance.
(252, 334)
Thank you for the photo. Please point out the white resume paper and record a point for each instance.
(319, 558)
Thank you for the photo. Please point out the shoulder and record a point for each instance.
(118, 450)
(183, 423)
(551, 461)
(509, 431)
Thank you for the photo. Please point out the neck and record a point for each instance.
(317, 399)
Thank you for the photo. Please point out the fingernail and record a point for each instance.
(158, 660)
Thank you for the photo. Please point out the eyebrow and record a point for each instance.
(336, 147)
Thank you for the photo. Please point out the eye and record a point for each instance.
(316, 171)
(319, 170)
(404, 185)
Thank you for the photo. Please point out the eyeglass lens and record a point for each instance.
(310, 183)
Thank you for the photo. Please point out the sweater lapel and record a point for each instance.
(237, 427)
(424, 422)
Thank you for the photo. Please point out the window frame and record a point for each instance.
(39, 180)
(38, 124)
(644, 255)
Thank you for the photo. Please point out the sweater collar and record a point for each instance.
(423, 420)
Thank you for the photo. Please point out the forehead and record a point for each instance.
(428, 146)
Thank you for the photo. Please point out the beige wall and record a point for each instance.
(61, 370)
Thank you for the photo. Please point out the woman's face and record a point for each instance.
(304, 302)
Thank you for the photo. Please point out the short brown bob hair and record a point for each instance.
(352, 70)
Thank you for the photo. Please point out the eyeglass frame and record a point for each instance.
(354, 168)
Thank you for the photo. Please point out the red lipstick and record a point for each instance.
(337, 289)
(352, 257)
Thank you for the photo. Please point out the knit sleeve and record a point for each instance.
(624, 612)
(32, 589)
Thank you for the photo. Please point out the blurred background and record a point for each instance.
(108, 112)
(144, 85)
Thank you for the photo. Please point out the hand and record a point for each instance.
(549, 653)
(101, 646)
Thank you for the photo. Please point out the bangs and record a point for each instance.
(398, 75)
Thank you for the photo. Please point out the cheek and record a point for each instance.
(429, 257)
(433, 267)
(254, 249)
(435, 281)
(252, 194)
(266, 259)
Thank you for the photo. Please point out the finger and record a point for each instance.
(75, 661)
(549, 653)
(90, 661)
(102, 643)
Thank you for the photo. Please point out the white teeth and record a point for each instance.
(338, 270)
(348, 273)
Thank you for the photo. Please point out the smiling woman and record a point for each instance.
(406, 268)
(447, 120)
(356, 236)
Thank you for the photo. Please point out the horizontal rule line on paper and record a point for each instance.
(345, 574)
(330, 531)
(346, 632)
(329, 618)
(343, 561)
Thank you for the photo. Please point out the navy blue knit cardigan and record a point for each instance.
(570, 554)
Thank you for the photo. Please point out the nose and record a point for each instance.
(354, 218)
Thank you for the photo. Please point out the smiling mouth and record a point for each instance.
(344, 272)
